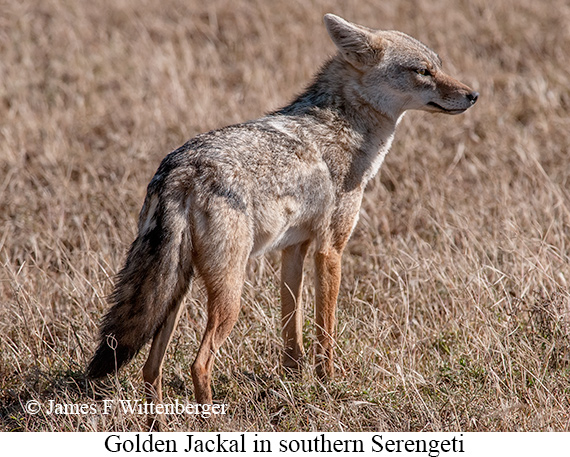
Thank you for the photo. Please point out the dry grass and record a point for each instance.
(454, 308)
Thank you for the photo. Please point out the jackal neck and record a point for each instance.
(334, 101)
(335, 89)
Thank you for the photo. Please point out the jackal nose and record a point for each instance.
(473, 96)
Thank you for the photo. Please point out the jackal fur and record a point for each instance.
(288, 180)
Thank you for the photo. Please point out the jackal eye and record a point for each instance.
(423, 72)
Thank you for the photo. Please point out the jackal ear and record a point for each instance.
(359, 45)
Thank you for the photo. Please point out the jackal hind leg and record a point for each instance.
(292, 260)
(224, 290)
(152, 370)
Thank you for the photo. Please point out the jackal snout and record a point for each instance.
(449, 95)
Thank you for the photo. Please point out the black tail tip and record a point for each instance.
(108, 360)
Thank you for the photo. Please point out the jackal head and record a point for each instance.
(396, 72)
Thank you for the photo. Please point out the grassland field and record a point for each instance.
(454, 305)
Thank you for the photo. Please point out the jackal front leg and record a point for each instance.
(291, 307)
(327, 271)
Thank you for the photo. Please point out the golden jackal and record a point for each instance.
(290, 179)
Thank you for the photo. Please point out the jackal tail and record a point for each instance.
(155, 277)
